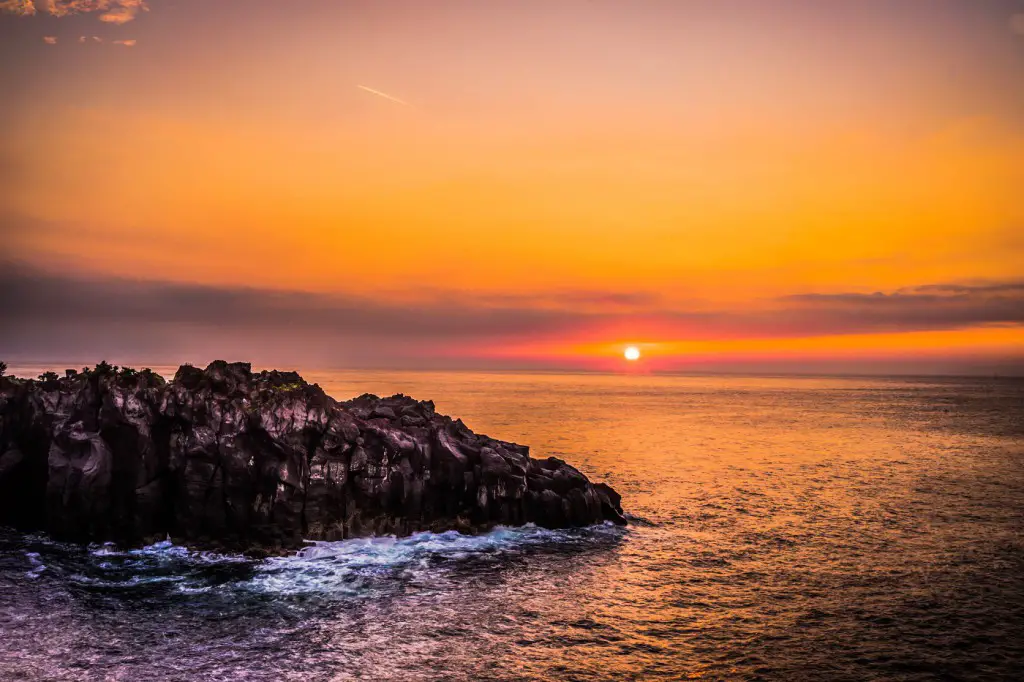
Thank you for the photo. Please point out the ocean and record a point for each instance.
(782, 528)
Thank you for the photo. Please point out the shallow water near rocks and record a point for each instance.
(784, 528)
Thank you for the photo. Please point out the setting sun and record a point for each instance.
(632, 353)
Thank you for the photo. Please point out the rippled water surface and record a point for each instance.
(797, 528)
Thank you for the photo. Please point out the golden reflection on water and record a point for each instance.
(787, 528)
(841, 508)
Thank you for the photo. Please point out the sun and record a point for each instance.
(632, 353)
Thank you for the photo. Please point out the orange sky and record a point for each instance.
(552, 180)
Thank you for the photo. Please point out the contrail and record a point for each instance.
(384, 95)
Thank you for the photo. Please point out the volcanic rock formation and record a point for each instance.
(223, 457)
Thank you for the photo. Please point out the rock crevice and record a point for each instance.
(224, 457)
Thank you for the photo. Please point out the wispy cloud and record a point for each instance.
(50, 40)
(110, 11)
(384, 95)
(126, 43)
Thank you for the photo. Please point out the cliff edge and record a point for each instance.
(260, 462)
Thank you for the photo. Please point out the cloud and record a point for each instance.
(126, 43)
(124, 11)
(42, 312)
(46, 313)
(929, 307)
(34, 294)
(110, 11)
(50, 40)
(24, 8)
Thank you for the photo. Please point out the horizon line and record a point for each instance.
(48, 365)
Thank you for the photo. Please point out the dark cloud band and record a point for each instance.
(51, 309)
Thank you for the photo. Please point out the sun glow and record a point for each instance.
(632, 353)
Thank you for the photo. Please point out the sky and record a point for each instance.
(728, 185)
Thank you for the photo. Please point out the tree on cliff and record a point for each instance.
(3, 368)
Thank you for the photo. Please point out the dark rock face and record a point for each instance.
(223, 457)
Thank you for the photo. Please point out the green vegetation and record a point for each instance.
(289, 387)
(103, 368)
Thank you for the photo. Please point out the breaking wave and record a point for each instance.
(347, 568)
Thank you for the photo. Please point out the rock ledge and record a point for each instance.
(226, 458)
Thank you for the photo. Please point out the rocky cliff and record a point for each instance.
(223, 457)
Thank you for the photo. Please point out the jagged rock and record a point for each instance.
(226, 458)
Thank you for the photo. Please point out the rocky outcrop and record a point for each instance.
(223, 457)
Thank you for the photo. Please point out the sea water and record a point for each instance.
(782, 528)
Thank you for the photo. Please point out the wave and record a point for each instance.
(165, 551)
(344, 568)
(360, 565)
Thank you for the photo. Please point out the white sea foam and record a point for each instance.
(342, 568)
(37, 565)
(167, 551)
(354, 566)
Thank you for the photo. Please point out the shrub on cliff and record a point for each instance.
(104, 368)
